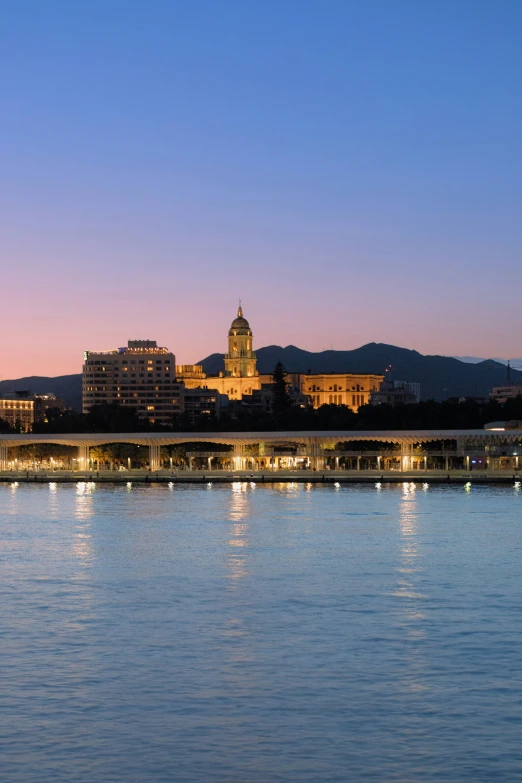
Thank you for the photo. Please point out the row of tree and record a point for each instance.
(429, 414)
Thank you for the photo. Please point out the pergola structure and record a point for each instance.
(315, 446)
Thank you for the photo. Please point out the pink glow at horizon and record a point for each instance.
(55, 330)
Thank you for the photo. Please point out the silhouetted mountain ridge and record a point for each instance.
(440, 376)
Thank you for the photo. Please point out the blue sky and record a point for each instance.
(351, 170)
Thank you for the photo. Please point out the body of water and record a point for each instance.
(243, 633)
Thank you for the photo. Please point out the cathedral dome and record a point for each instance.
(240, 322)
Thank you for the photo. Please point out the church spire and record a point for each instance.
(240, 310)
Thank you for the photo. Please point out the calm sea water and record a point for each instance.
(257, 633)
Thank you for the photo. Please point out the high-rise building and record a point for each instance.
(141, 376)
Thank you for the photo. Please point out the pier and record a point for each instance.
(441, 455)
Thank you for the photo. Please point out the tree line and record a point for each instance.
(428, 414)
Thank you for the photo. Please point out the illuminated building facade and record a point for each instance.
(241, 377)
(22, 408)
(17, 411)
(350, 389)
(240, 361)
(141, 376)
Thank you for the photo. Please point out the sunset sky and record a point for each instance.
(351, 170)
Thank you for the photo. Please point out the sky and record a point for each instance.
(351, 170)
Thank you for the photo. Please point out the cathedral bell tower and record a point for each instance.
(240, 361)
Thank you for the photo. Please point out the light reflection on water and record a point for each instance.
(83, 512)
(253, 632)
(413, 599)
(237, 559)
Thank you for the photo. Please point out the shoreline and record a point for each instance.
(261, 477)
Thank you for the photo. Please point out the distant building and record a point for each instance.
(261, 400)
(44, 402)
(17, 409)
(141, 376)
(396, 393)
(410, 386)
(22, 408)
(350, 389)
(192, 373)
(503, 393)
(198, 401)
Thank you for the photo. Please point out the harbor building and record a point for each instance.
(141, 376)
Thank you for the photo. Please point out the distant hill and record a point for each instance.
(516, 364)
(440, 376)
(68, 387)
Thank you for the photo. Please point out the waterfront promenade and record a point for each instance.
(443, 455)
(337, 478)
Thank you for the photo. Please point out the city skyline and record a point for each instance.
(353, 176)
(119, 345)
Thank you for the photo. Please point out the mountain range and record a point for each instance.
(440, 376)
(516, 364)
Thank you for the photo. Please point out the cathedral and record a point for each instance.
(241, 377)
